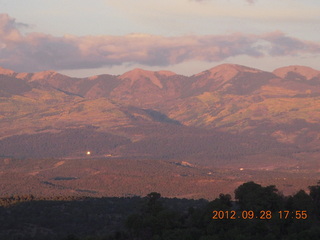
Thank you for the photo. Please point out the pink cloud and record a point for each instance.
(9, 28)
(38, 51)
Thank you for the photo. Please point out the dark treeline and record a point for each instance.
(257, 212)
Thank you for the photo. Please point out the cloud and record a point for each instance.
(9, 28)
(248, 1)
(39, 51)
(251, 1)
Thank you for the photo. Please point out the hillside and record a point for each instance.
(184, 136)
(161, 114)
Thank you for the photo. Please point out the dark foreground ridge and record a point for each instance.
(256, 213)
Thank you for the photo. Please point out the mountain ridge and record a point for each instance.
(6, 71)
(133, 134)
(241, 102)
(304, 71)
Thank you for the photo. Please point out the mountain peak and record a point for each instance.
(7, 72)
(44, 75)
(138, 73)
(304, 71)
(226, 71)
(233, 67)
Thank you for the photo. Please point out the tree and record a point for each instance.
(315, 195)
(252, 196)
(153, 205)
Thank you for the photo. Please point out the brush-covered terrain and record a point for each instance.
(256, 212)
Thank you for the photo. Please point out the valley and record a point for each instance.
(135, 177)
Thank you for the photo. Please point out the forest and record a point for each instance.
(256, 212)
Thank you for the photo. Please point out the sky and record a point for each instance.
(82, 38)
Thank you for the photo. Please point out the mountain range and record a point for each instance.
(224, 115)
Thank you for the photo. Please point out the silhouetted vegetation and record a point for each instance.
(256, 213)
